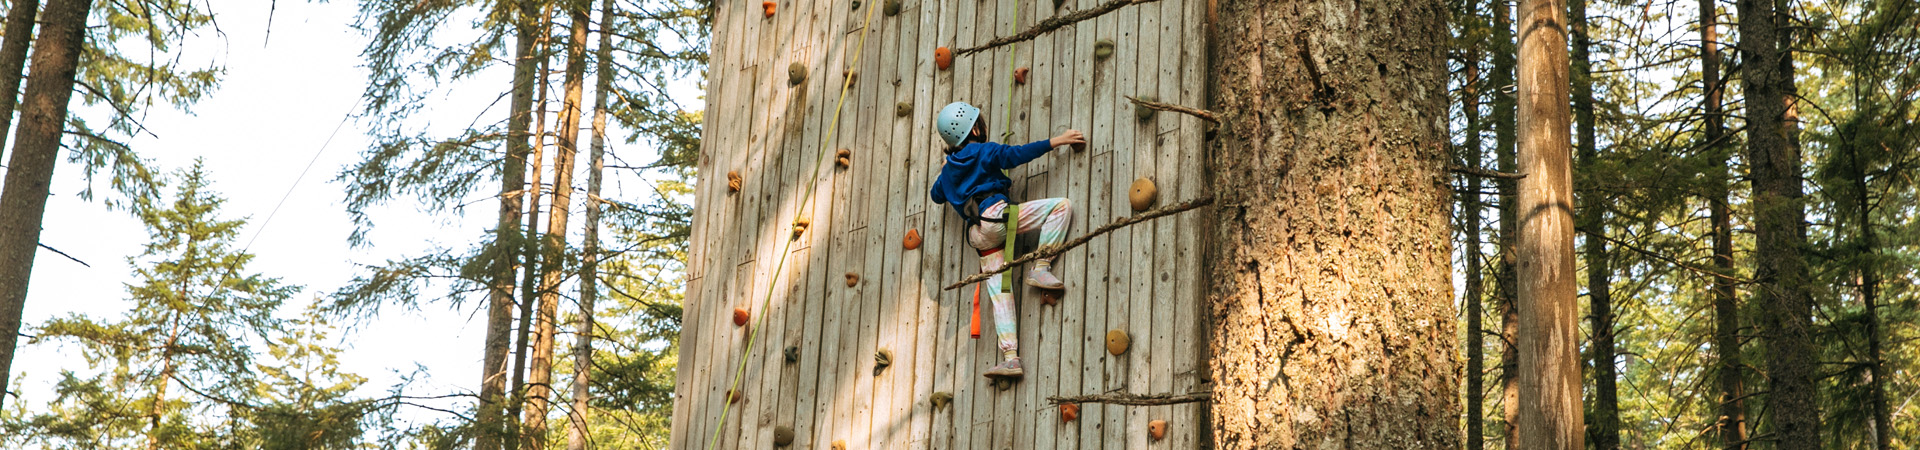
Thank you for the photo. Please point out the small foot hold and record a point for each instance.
(769, 7)
(853, 279)
(843, 158)
(1020, 76)
(1069, 411)
(734, 181)
(943, 58)
(912, 241)
(741, 316)
(1050, 297)
(881, 360)
(793, 354)
(782, 436)
(941, 400)
(1117, 342)
(1143, 194)
(1157, 429)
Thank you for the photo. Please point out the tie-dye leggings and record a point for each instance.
(1050, 217)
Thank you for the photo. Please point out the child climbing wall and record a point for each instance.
(973, 181)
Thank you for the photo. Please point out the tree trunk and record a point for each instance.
(13, 58)
(506, 254)
(529, 281)
(554, 244)
(590, 245)
(36, 149)
(157, 410)
(1550, 403)
(1604, 426)
(1476, 286)
(1780, 274)
(1503, 142)
(1731, 424)
(1332, 309)
(1869, 279)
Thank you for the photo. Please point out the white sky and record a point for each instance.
(275, 106)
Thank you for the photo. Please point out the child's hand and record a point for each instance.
(1070, 137)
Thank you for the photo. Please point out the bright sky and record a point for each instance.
(277, 104)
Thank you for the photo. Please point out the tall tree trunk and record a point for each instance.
(530, 279)
(36, 149)
(1476, 286)
(1780, 274)
(590, 245)
(1732, 427)
(1329, 153)
(157, 410)
(1604, 426)
(1550, 407)
(13, 58)
(554, 244)
(507, 237)
(1503, 142)
(1869, 279)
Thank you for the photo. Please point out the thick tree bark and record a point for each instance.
(1780, 274)
(36, 149)
(530, 273)
(590, 247)
(18, 36)
(1604, 427)
(506, 253)
(1476, 285)
(554, 243)
(1332, 308)
(1550, 401)
(1731, 424)
(1503, 142)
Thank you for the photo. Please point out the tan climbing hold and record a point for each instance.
(1069, 411)
(782, 436)
(903, 109)
(733, 397)
(1020, 76)
(1143, 194)
(796, 74)
(1117, 342)
(913, 240)
(839, 445)
(740, 316)
(1142, 111)
(943, 58)
(941, 399)
(734, 181)
(881, 360)
(892, 8)
(1103, 50)
(1049, 297)
(1157, 429)
(853, 279)
(843, 158)
(769, 7)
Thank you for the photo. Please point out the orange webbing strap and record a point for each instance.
(976, 311)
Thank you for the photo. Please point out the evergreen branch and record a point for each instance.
(55, 250)
(1056, 249)
(1478, 172)
(1201, 113)
(1052, 23)
(1122, 398)
(1662, 258)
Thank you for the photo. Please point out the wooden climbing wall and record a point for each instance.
(811, 368)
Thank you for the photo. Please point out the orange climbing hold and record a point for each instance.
(740, 316)
(1157, 429)
(853, 279)
(769, 7)
(1069, 411)
(733, 397)
(943, 58)
(734, 181)
(1020, 76)
(843, 158)
(913, 240)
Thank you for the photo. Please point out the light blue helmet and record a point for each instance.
(955, 121)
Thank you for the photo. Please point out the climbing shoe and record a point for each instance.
(1042, 277)
(1008, 370)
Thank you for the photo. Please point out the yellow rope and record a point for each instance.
(806, 199)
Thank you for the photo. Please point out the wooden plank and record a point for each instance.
(966, 395)
(886, 215)
(1007, 123)
(927, 317)
(904, 272)
(1051, 182)
(848, 355)
(1143, 49)
(1191, 311)
(985, 350)
(942, 237)
(1092, 197)
(695, 396)
(767, 403)
(1072, 171)
(811, 279)
(1120, 291)
(1167, 256)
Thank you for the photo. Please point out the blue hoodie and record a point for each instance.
(977, 169)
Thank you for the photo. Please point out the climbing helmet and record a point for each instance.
(955, 121)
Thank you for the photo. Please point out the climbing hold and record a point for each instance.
(943, 58)
(1003, 384)
(1069, 411)
(853, 76)
(941, 399)
(734, 181)
(1049, 297)
(853, 279)
(782, 436)
(841, 445)
(881, 359)
(1142, 111)
(733, 397)
(1143, 194)
(800, 225)
(903, 109)
(1058, 3)
(1157, 429)
(913, 240)
(843, 158)
(1020, 76)
(1103, 49)
(796, 73)
(1117, 342)
(892, 8)
(769, 7)
(793, 354)
(740, 316)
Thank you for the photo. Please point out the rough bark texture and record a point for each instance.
(1780, 273)
(1731, 424)
(1549, 373)
(1476, 285)
(36, 149)
(500, 301)
(590, 243)
(567, 136)
(1331, 304)
(1604, 427)
(13, 59)
(530, 273)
